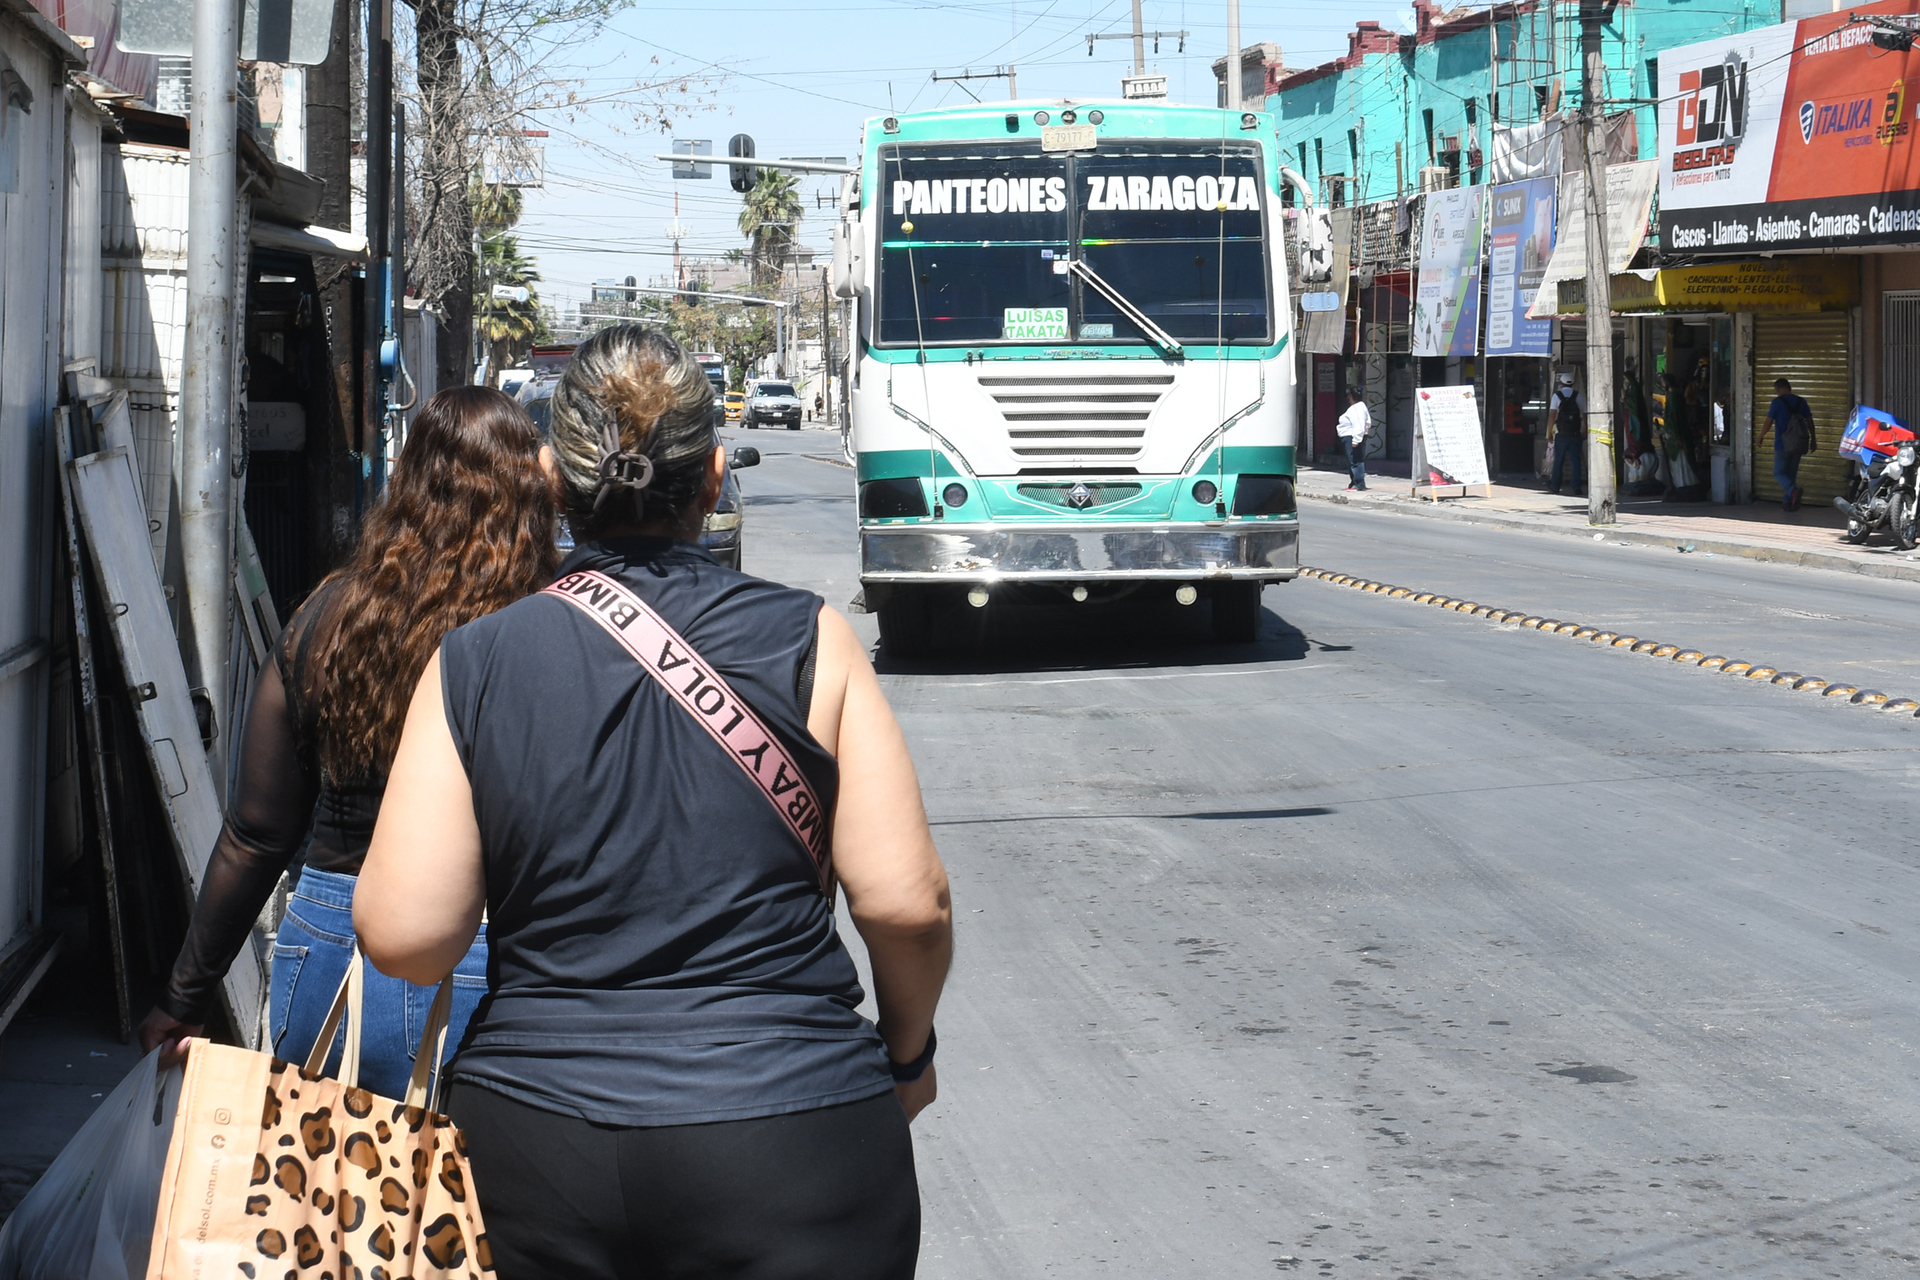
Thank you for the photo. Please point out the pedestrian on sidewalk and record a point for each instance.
(1790, 419)
(1569, 432)
(466, 525)
(1353, 427)
(670, 1072)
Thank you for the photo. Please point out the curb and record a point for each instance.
(1900, 570)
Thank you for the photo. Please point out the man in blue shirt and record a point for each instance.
(1791, 441)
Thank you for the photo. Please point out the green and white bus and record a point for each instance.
(1072, 372)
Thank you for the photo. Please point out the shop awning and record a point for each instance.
(1774, 287)
(318, 241)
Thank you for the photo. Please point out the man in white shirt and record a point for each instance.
(1353, 428)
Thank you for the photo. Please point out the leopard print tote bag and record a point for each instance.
(278, 1173)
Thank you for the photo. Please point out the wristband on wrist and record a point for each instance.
(908, 1072)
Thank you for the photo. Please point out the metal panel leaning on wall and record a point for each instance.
(1814, 353)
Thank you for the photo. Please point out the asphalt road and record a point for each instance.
(1400, 943)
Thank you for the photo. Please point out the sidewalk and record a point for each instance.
(1811, 537)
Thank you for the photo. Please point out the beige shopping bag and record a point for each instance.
(276, 1173)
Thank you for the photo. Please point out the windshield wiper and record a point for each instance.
(1158, 336)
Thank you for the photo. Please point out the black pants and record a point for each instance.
(826, 1193)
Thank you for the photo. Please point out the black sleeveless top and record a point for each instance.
(659, 951)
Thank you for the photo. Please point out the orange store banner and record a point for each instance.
(1795, 136)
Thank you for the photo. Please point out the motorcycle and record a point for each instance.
(1884, 490)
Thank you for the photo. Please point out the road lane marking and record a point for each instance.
(1740, 667)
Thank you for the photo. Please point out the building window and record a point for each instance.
(1319, 161)
(1426, 118)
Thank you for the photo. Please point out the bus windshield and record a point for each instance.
(976, 242)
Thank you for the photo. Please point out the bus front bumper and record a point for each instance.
(1250, 550)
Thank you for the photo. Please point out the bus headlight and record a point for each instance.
(1205, 492)
(1263, 496)
(954, 495)
(892, 499)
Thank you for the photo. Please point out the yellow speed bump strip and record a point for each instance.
(1613, 639)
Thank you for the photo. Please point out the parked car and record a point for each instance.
(536, 397)
(735, 403)
(772, 403)
(720, 535)
(511, 380)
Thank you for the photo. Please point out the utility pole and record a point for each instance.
(375, 310)
(826, 348)
(1233, 56)
(206, 394)
(1139, 42)
(1593, 139)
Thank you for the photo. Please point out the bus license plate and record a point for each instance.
(1068, 137)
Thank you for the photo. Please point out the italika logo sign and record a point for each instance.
(1806, 122)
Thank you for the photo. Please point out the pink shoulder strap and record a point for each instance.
(700, 691)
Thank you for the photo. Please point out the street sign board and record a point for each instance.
(692, 147)
(1448, 426)
(514, 163)
(292, 32)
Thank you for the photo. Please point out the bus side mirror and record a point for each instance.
(745, 456)
(845, 276)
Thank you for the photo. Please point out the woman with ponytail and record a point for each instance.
(654, 777)
(465, 527)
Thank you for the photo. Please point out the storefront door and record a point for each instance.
(1812, 352)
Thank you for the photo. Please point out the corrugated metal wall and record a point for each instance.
(32, 231)
(1814, 353)
(1900, 354)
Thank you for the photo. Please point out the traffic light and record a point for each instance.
(742, 176)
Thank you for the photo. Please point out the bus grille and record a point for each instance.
(1067, 415)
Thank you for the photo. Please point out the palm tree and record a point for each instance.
(767, 219)
(509, 328)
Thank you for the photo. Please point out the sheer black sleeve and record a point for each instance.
(268, 816)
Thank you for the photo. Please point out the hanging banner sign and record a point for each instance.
(1522, 217)
(1448, 422)
(1794, 136)
(1325, 329)
(1630, 188)
(1446, 304)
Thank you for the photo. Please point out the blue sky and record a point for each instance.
(801, 79)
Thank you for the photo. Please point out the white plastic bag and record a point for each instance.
(90, 1217)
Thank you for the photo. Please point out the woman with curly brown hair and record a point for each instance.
(466, 527)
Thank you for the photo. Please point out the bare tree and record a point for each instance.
(483, 69)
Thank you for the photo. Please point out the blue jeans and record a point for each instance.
(1356, 461)
(1566, 445)
(310, 957)
(1786, 471)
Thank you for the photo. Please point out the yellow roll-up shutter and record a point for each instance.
(1811, 352)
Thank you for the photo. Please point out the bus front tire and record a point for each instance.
(906, 623)
(1236, 612)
